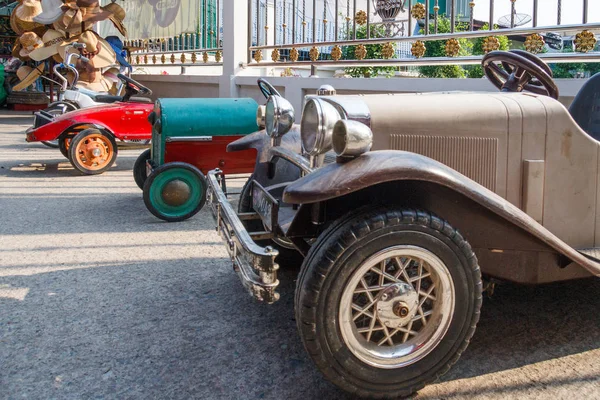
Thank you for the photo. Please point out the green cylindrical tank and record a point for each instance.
(210, 117)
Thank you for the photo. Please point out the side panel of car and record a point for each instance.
(211, 153)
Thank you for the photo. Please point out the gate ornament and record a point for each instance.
(361, 17)
(336, 53)
(205, 57)
(360, 52)
(389, 9)
(452, 47)
(163, 59)
(145, 59)
(418, 11)
(585, 41)
(194, 58)
(218, 56)
(418, 49)
(313, 53)
(294, 55)
(182, 58)
(258, 56)
(387, 50)
(154, 59)
(172, 58)
(275, 55)
(490, 43)
(534, 43)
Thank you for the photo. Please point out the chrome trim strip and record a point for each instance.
(189, 139)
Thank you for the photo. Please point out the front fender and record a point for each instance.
(339, 179)
(262, 143)
(50, 131)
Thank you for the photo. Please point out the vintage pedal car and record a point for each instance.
(397, 246)
(189, 138)
(88, 137)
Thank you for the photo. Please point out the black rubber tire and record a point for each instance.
(329, 264)
(156, 173)
(84, 135)
(286, 255)
(64, 144)
(139, 168)
(59, 108)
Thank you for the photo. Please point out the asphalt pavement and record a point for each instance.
(99, 299)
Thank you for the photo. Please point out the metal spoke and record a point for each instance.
(364, 284)
(385, 274)
(401, 266)
(427, 295)
(408, 331)
(362, 310)
(370, 330)
(388, 336)
(382, 268)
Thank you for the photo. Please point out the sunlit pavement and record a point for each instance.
(99, 299)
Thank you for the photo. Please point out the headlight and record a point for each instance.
(316, 127)
(260, 116)
(279, 116)
(351, 138)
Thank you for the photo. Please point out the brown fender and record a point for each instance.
(262, 143)
(339, 179)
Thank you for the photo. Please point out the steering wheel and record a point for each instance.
(266, 88)
(133, 87)
(521, 72)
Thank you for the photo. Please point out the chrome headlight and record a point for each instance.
(279, 116)
(260, 116)
(351, 138)
(316, 127)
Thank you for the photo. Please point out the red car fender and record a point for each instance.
(126, 121)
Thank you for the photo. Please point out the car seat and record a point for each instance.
(585, 109)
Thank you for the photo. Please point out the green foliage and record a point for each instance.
(373, 52)
(571, 70)
(468, 47)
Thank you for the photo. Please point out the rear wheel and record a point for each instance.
(92, 151)
(175, 191)
(64, 142)
(139, 168)
(58, 109)
(387, 301)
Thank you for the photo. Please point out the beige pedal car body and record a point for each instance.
(424, 201)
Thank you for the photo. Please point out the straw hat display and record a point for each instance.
(47, 27)
(28, 76)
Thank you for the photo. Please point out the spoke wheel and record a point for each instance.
(387, 300)
(397, 306)
(92, 152)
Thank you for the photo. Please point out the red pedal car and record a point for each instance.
(89, 137)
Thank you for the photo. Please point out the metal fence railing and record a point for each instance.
(340, 32)
(203, 47)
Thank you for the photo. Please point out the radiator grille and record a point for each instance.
(472, 157)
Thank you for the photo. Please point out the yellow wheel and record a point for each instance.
(92, 151)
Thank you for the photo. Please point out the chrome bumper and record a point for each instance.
(255, 265)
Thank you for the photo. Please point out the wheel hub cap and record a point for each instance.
(397, 305)
(176, 193)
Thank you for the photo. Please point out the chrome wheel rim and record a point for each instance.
(396, 307)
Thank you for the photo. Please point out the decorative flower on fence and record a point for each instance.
(534, 43)
(585, 41)
(418, 49)
(275, 55)
(182, 58)
(154, 59)
(258, 56)
(336, 53)
(313, 53)
(163, 59)
(294, 55)
(418, 11)
(218, 56)
(137, 59)
(490, 43)
(387, 50)
(205, 56)
(361, 17)
(145, 59)
(360, 52)
(172, 58)
(194, 57)
(452, 47)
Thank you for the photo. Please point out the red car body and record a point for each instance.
(125, 121)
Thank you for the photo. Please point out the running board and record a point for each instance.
(592, 253)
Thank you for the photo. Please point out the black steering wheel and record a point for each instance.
(133, 88)
(266, 88)
(521, 71)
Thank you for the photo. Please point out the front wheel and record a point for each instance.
(175, 191)
(92, 151)
(387, 301)
(139, 168)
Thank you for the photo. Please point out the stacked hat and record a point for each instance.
(22, 18)
(28, 75)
